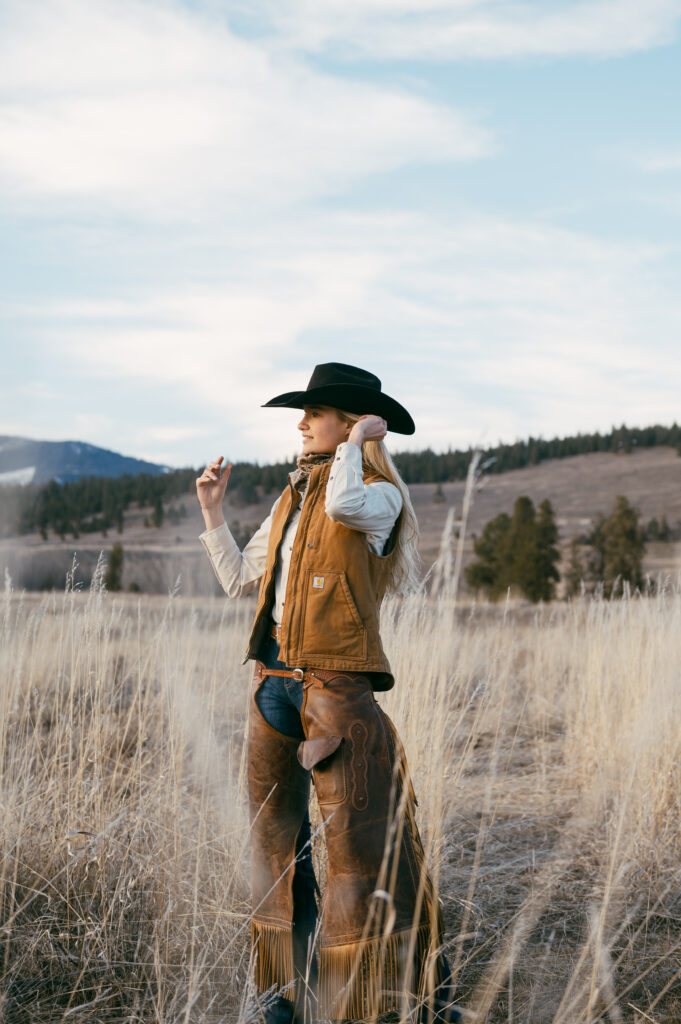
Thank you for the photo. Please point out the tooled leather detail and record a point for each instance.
(359, 735)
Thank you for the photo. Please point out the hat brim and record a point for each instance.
(349, 398)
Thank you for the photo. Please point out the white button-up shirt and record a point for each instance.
(371, 508)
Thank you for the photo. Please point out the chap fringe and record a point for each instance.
(273, 954)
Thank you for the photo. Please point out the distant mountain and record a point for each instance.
(24, 461)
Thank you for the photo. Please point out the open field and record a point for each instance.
(578, 487)
(544, 746)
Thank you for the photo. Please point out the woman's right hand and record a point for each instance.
(212, 484)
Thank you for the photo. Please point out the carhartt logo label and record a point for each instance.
(318, 582)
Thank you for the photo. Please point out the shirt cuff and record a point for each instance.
(347, 451)
(217, 540)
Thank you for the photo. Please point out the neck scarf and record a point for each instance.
(306, 463)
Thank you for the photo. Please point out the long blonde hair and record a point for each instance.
(405, 571)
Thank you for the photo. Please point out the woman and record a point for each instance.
(341, 534)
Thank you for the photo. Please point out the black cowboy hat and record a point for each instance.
(351, 390)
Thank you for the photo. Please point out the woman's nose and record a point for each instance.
(302, 425)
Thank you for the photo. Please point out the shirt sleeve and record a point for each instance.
(238, 572)
(370, 508)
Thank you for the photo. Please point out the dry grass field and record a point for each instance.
(579, 488)
(544, 745)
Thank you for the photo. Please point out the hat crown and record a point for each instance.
(326, 374)
(341, 386)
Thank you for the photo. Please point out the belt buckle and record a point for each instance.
(298, 674)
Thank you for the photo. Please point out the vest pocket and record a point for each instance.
(331, 623)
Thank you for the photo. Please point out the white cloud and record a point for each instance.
(164, 111)
(175, 433)
(455, 29)
(659, 160)
(484, 329)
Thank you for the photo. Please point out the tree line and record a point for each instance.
(98, 504)
(94, 504)
(431, 467)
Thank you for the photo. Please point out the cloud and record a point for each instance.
(117, 114)
(484, 329)
(164, 112)
(660, 160)
(484, 29)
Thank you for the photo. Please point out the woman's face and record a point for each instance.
(322, 429)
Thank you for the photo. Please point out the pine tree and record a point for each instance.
(617, 543)
(157, 514)
(652, 530)
(114, 569)
(548, 555)
(517, 552)
(623, 547)
(490, 569)
(523, 543)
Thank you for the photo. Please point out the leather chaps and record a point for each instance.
(381, 927)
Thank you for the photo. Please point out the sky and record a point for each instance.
(477, 200)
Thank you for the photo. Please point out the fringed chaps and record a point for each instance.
(278, 790)
(381, 928)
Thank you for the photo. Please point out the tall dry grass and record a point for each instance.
(544, 747)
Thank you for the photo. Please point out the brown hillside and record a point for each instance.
(579, 488)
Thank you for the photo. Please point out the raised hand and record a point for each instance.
(368, 428)
(212, 484)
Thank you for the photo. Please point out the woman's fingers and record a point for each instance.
(213, 468)
(212, 483)
(214, 472)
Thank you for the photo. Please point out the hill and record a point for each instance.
(24, 460)
(579, 487)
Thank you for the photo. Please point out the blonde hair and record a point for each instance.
(404, 569)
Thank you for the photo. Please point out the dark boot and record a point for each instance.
(304, 924)
(281, 1011)
(443, 1009)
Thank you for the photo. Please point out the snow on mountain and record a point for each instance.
(17, 476)
(25, 460)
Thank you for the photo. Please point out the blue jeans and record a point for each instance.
(280, 701)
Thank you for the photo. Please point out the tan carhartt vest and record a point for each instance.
(334, 590)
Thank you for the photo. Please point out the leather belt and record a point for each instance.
(301, 675)
(298, 674)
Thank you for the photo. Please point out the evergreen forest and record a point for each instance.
(93, 504)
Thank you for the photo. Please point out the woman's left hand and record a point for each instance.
(368, 428)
